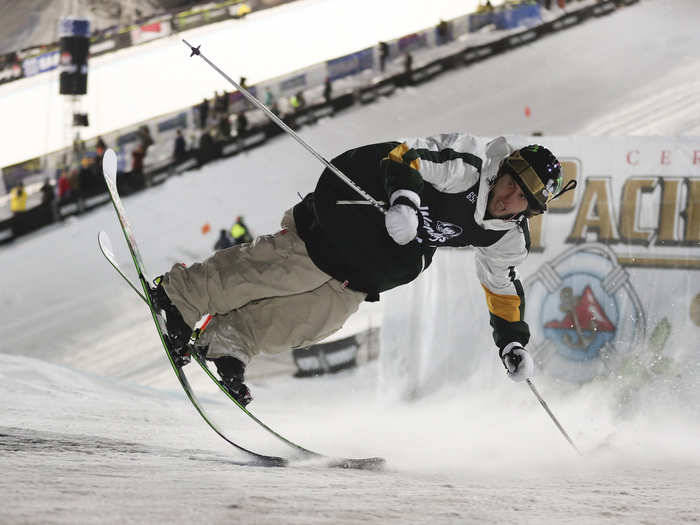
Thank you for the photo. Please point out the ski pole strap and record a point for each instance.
(287, 129)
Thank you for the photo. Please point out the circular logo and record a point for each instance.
(581, 318)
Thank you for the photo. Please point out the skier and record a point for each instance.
(299, 285)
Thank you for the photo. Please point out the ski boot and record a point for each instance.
(231, 371)
(179, 332)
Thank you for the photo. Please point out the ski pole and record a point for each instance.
(278, 121)
(544, 405)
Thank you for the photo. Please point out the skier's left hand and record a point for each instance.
(518, 362)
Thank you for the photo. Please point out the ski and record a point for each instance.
(301, 453)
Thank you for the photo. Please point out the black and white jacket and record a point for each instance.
(346, 237)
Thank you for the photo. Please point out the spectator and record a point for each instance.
(297, 101)
(443, 33)
(47, 193)
(407, 66)
(64, 185)
(180, 151)
(18, 198)
(275, 108)
(269, 98)
(18, 207)
(145, 138)
(100, 147)
(224, 241)
(244, 84)
(218, 104)
(87, 175)
(225, 99)
(78, 146)
(383, 55)
(203, 109)
(224, 128)
(74, 181)
(207, 148)
(327, 90)
(239, 231)
(48, 201)
(137, 178)
(241, 125)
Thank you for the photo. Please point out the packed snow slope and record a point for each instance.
(95, 429)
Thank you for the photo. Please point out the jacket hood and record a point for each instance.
(496, 150)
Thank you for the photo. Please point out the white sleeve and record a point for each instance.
(448, 161)
(496, 265)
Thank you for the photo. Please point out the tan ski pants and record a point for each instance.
(265, 296)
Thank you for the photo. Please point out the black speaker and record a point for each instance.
(74, 41)
(80, 119)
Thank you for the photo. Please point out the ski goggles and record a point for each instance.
(529, 180)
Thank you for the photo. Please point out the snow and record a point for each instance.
(94, 427)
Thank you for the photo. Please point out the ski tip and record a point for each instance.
(105, 244)
(109, 164)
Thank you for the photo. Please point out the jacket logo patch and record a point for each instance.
(438, 232)
(471, 197)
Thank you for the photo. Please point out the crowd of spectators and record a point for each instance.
(221, 126)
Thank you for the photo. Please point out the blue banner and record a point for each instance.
(40, 64)
(350, 64)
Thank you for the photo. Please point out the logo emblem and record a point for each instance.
(438, 232)
(584, 313)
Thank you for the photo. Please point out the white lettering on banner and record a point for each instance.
(562, 23)
(10, 73)
(478, 53)
(215, 13)
(603, 9)
(40, 64)
(521, 39)
(101, 47)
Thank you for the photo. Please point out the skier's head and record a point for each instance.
(538, 173)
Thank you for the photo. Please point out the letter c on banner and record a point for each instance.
(630, 161)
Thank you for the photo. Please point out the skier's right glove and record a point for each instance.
(401, 218)
(518, 362)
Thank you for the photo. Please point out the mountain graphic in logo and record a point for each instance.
(589, 315)
(585, 327)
